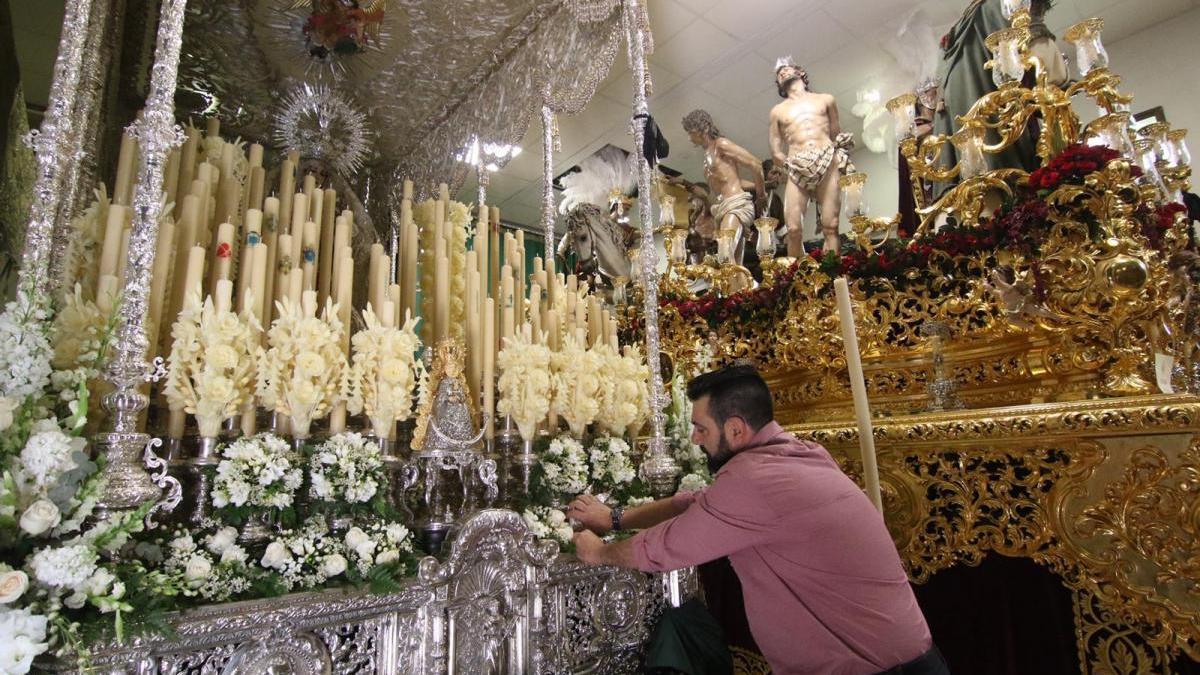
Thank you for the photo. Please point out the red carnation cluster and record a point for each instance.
(745, 306)
(1072, 165)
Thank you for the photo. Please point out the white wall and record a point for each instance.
(1159, 66)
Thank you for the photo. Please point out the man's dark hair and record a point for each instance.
(735, 391)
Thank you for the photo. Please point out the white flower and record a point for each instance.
(181, 545)
(333, 565)
(22, 637)
(100, 582)
(67, 567)
(76, 600)
(49, 454)
(222, 539)
(396, 533)
(692, 482)
(310, 364)
(365, 550)
(355, 537)
(7, 407)
(12, 585)
(276, 556)
(41, 516)
(390, 555)
(233, 554)
(221, 357)
(198, 569)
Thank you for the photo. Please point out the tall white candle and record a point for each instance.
(858, 386)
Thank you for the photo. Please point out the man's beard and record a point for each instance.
(721, 456)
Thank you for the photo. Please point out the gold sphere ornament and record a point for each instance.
(1126, 274)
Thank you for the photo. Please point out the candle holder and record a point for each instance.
(852, 185)
(620, 296)
(1008, 62)
(1147, 160)
(659, 469)
(677, 246)
(1183, 157)
(941, 389)
(766, 239)
(1089, 50)
(635, 265)
(1158, 133)
(968, 143)
(725, 246)
(903, 109)
(1012, 8)
(1112, 130)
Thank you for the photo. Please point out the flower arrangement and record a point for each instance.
(578, 384)
(82, 336)
(525, 383)
(347, 470)
(763, 304)
(564, 468)
(384, 372)
(691, 457)
(1071, 166)
(613, 475)
(628, 403)
(211, 368)
(306, 557)
(336, 27)
(258, 472)
(549, 523)
(304, 372)
(212, 567)
(25, 351)
(377, 544)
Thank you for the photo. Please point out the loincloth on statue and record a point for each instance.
(807, 166)
(740, 206)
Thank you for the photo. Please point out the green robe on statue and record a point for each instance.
(964, 80)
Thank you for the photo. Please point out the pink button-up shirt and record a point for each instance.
(824, 588)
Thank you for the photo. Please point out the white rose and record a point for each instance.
(390, 555)
(12, 585)
(310, 363)
(41, 516)
(198, 568)
(221, 357)
(305, 394)
(7, 407)
(564, 533)
(556, 518)
(221, 540)
(365, 550)
(233, 554)
(333, 565)
(355, 537)
(276, 556)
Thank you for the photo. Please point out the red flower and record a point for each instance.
(224, 250)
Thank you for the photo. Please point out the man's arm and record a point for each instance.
(597, 517)
(592, 551)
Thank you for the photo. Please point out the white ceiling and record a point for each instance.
(718, 55)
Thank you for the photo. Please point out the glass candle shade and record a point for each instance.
(1182, 156)
(725, 246)
(1159, 134)
(635, 265)
(852, 185)
(1147, 160)
(619, 295)
(1008, 63)
(1113, 130)
(678, 245)
(1089, 50)
(1011, 7)
(968, 144)
(904, 113)
(766, 237)
(666, 212)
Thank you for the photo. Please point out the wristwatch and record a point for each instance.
(616, 518)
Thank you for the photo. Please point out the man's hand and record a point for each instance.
(588, 547)
(591, 513)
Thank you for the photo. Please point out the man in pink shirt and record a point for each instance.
(824, 588)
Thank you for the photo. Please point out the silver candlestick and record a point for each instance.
(942, 389)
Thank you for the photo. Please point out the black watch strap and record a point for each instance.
(616, 518)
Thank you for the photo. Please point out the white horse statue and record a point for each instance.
(598, 242)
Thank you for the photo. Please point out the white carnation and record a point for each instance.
(67, 567)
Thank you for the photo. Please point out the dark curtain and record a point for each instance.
(1009, 616)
